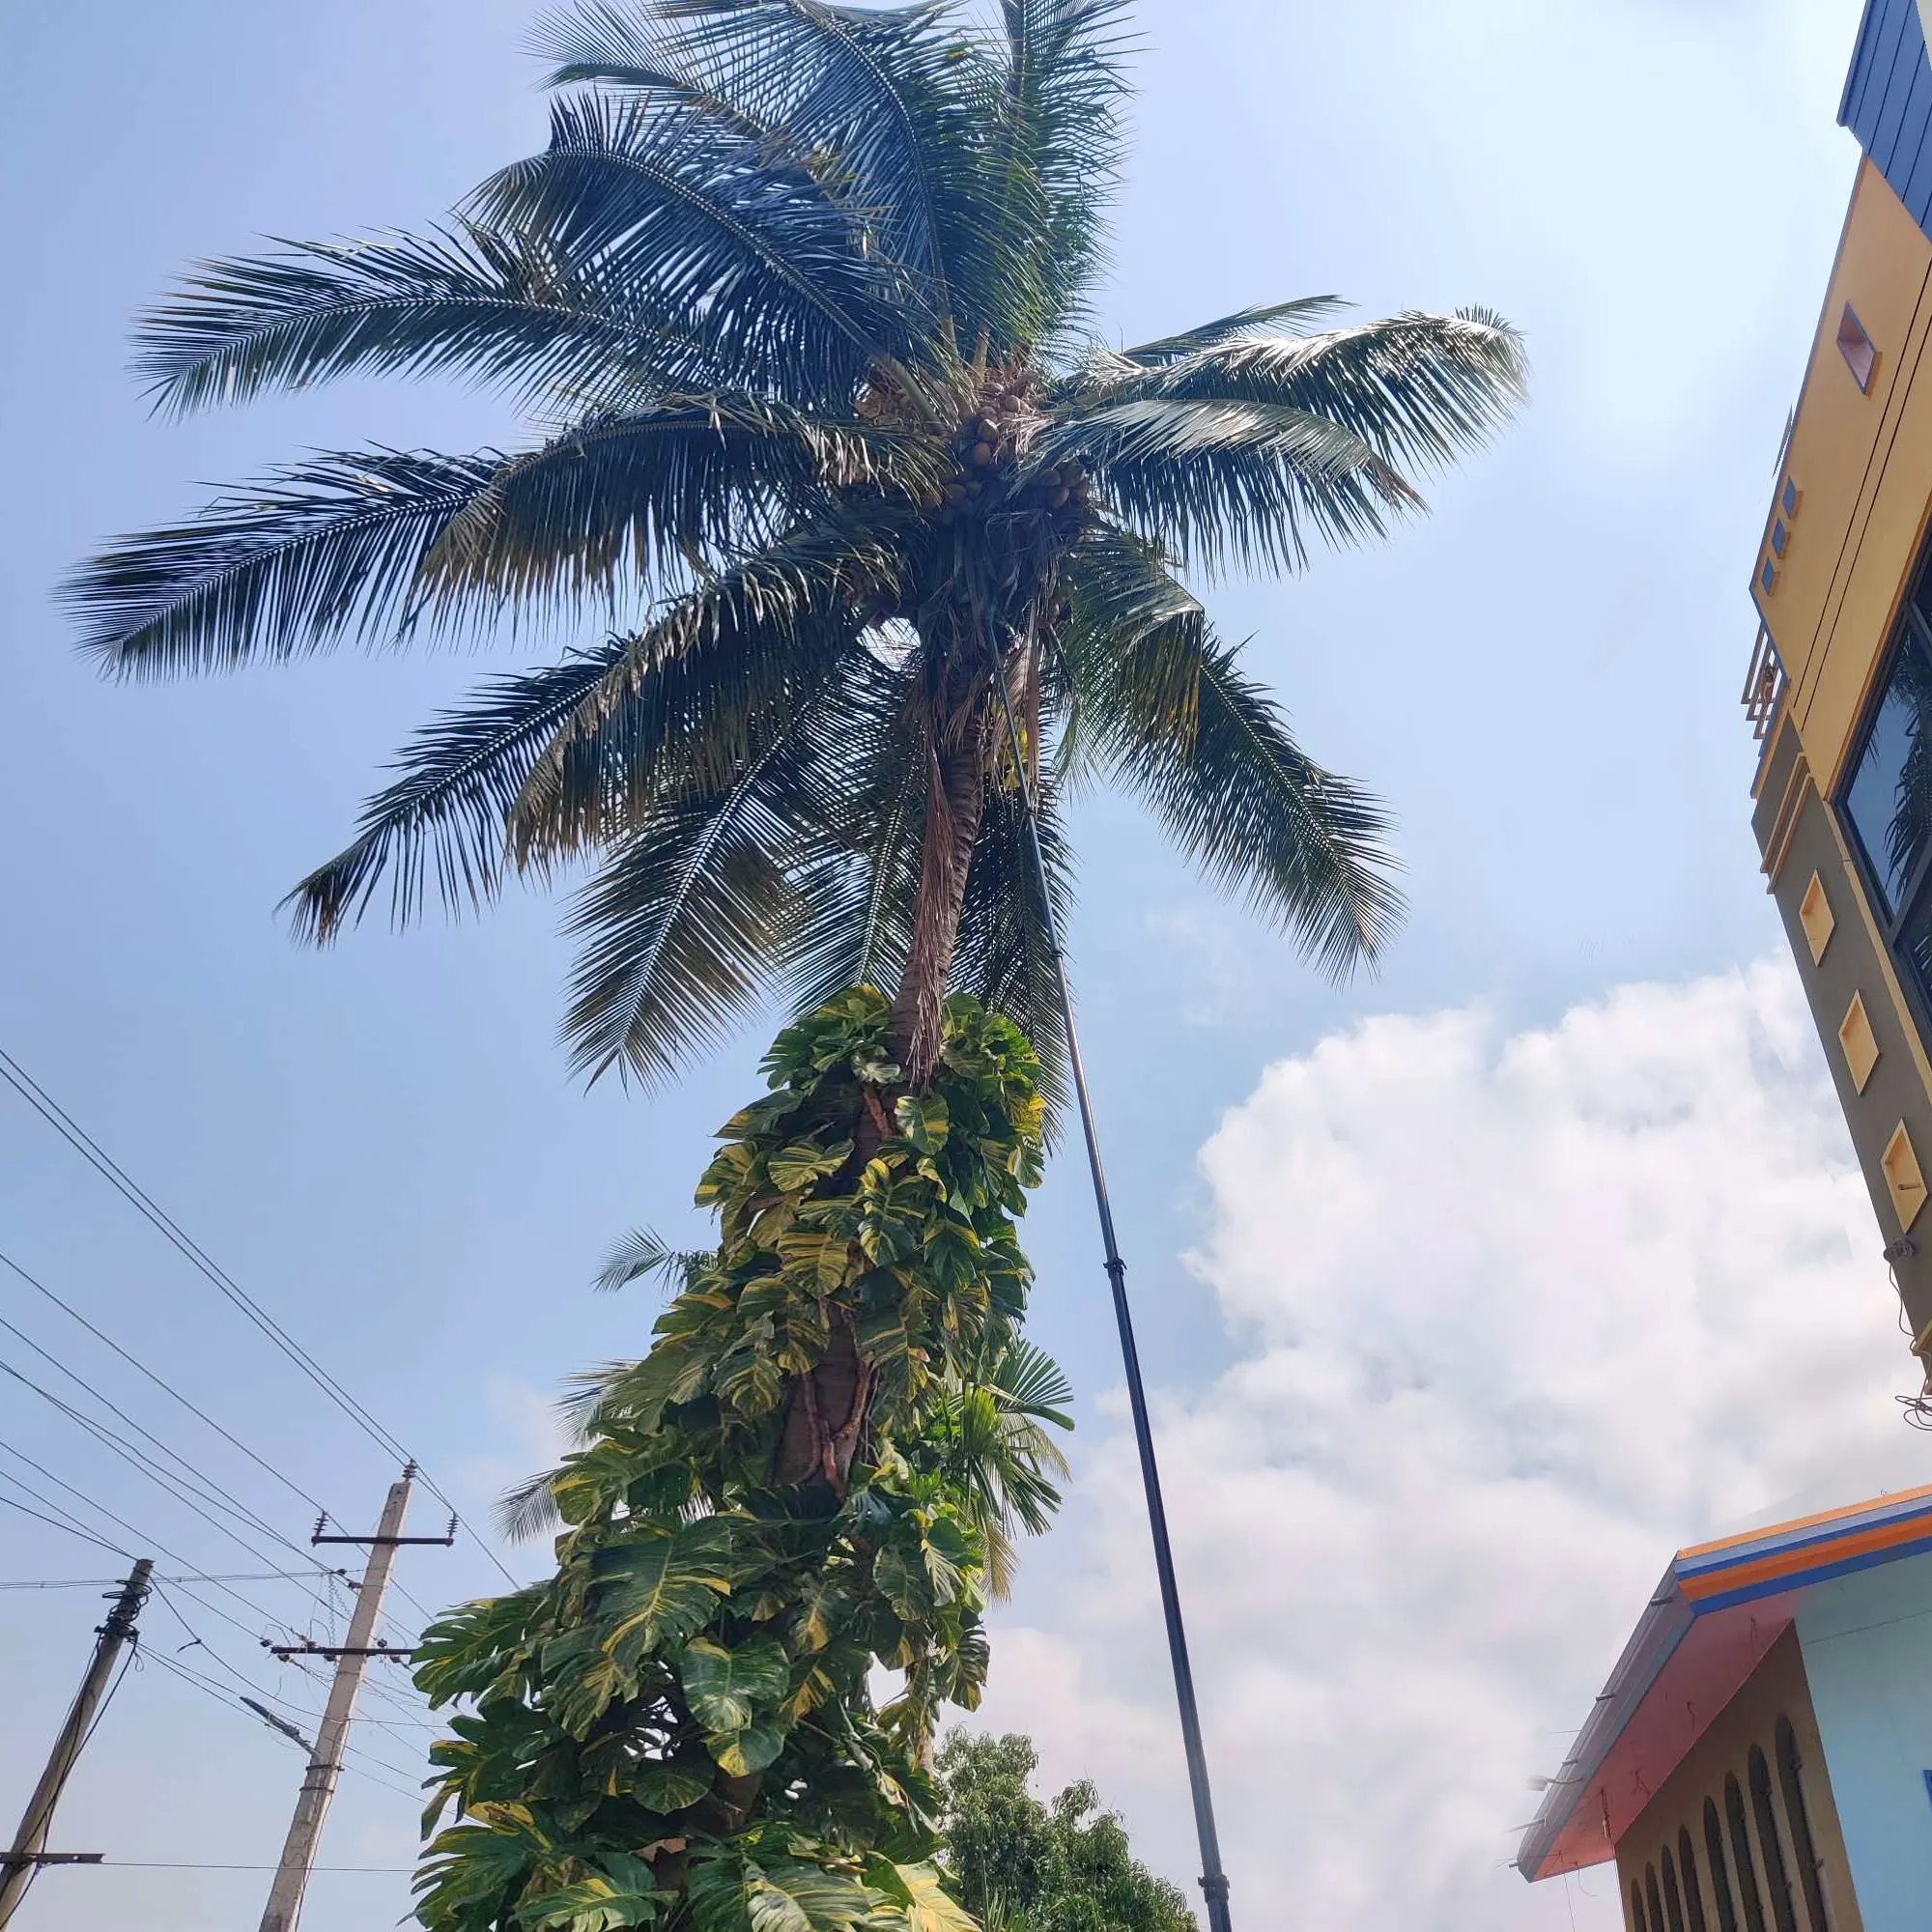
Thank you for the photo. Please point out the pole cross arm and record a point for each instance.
(13, 1859)
(400, 1652)
(388, 1542)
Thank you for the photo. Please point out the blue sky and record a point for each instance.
(382, 1141)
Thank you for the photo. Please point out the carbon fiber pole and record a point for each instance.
(1213, 1879)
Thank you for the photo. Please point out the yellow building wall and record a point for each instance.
(1863, 462)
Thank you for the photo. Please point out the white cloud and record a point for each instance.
(1518, 1316)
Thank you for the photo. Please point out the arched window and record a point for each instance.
(1720, 1876)
(1655, 1903)
(1694, 1892)
(1673, 1899)
(1771, 1842)
(1636, 1908)
(1741, 1852)
(1804, 1848)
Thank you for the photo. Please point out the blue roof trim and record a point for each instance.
(1888, 100)
(1728, 1555)
(1777, 1586)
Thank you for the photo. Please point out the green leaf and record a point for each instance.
(624, 1893)
(659, 1592)
(752, 1749)
(798, 1166)
(922, 1896)
(922, 1119)
(775, 1893)
(726, 1688)
(670, 1785)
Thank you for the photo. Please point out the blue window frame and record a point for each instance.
(1886, 800)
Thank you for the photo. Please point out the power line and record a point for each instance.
(247, 1683)
(209, 1490)
(156, 1865)
(140, 1536)
(171, 1485)
(221, 1697)
(86, 1535)
(207, 1487)
(91, 1582)
(97, 1158)
(167, 1388)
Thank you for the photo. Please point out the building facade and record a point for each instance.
(1840, 683)
(1761, 1757)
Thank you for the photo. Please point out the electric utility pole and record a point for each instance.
(325, 1767)
(29, 1852)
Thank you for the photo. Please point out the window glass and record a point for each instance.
(1769, 1843)
(1721, 1875)
(1914, 942)
(1740, 1851)
(1889, 803)
(1804, 1849)
(1673, 1902)
(1693, 1897)
(1636, 1908)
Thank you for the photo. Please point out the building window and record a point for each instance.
(1637, 1923)
(1803, 1847)
(1650, 1892)
(1769, 1843)
(1694, 1894)
(1673, 1899)
(1741, 1852)
(1887, 802)
(1721, 1877)
(1859, 350)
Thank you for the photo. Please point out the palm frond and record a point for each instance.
(1287, 317)
(1057, 153)
(859, 880)
(1005, 957)
(445, 817)
(684, 927)
(1171, 715)
(602, 43)
(314, 552)
(641, 499)
(1030, 1382)
(529, 1509)
(701, 687)
(892, 98)
(639, 1254)
(506, 311)
(1223, 483)
(1416, 387)
(686, 213)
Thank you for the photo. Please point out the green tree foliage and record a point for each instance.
(1025, 1867)
(678, 1729)
(797, 302)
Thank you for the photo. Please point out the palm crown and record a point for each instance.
(796, 297)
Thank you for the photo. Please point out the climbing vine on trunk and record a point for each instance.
(812, 1476)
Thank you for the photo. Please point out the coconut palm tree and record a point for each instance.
(826, 452)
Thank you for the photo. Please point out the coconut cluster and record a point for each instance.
(987, 450)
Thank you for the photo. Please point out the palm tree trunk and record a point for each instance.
(826, 1407)
(956, 803)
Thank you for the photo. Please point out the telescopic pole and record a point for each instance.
(1213, 1879)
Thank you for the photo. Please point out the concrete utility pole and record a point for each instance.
(285, 1895)
(29, 1852)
